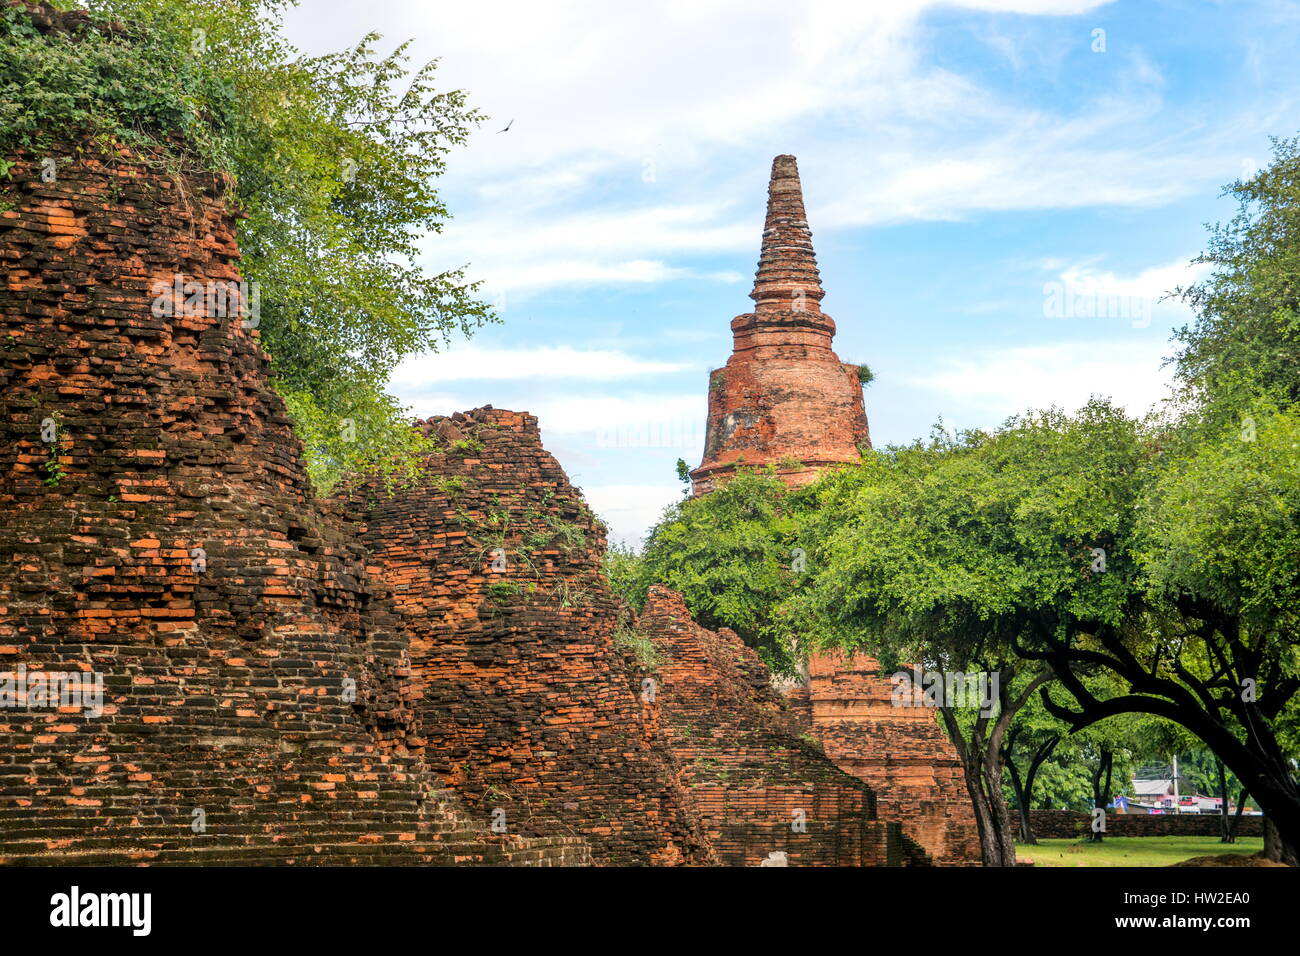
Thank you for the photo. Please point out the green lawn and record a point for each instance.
(1131, 851)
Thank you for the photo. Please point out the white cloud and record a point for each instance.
(1084, 291)
(626, 114)
(631, 510)
(626, 420)
(473, 362)
(1152, 284)
(1003, 382)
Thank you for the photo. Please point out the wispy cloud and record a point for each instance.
(997, 383)
(631, 510)
(614, 142)
(472, 362)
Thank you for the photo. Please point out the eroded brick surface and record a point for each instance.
(325, 688)
(521, 699)
(226, 682)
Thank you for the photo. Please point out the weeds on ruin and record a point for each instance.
(467, 447)
(644, 652)
(52, 435)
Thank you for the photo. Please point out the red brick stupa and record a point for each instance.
(784, 397)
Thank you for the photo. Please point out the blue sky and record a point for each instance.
(959, 161)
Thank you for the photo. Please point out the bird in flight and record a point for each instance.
(507, 129)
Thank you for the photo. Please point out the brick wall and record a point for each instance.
(902, 752)
(521, 700)
(1070, 824)
(226, 683)
(761, 782)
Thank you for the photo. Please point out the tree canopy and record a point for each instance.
(334, 160)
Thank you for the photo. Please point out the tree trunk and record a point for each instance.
(997, 844)
(1226, 834)
(1100, 793)
(1235, 822)
(1022, 804)
(1001, 816)
(1276, 847)
(1257, 761)
(1043, 753)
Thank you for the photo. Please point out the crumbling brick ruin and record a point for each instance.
(159, 532)
(762, 784)
(902, 752)
(529, 697)
(394, 676)
(784, 399)
(522, 701)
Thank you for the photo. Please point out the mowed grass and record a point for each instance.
(1131, 851)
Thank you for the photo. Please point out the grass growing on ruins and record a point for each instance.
(648, 657)
(1132, 851)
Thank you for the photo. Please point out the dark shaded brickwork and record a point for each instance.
(762, 784)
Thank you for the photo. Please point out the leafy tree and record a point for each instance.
(943, 552)
(1219, 532)
(622, 565)
(333, 161)
(1244, 342)
(731, 553)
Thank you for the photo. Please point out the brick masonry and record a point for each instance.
(902, 752)
(528, 698)
(1072, 824)
(522, 701)
(762, 783)
(228, 682)
(297, 681)
(785, 399)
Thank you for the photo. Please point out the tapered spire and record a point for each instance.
(787, 277)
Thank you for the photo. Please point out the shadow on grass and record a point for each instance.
(1132, 851)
